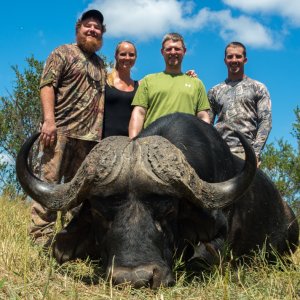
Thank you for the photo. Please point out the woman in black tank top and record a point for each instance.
(119, 91)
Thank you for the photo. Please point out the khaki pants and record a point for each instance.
(59, 163)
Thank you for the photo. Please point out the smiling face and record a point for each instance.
(235, 60)
(89, 35)
(125, 56)
(173, 53)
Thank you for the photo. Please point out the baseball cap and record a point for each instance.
(93, 13)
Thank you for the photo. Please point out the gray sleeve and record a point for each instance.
(212, 111)
(264, 119)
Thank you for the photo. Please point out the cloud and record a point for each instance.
(288, 9)
(147, 19)
(246, 30)
(142, 19)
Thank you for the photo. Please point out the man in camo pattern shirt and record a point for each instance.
(72, 98)
(240, 103)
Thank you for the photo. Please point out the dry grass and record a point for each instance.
(28, 273)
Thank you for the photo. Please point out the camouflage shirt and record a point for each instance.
(78, 81)
(244, 105)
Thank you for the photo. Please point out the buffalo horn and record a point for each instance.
(173, 174)
(102, 166)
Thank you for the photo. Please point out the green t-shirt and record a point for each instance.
(162, 94)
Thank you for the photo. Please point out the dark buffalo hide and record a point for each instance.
(175, 190)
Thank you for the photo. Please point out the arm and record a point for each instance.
(212, 114)
(48, 130)
(264, 121)
(203, 105)
(203, 115)
(136, 121)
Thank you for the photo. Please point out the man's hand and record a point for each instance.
(191, 73)
(48, 130)
(203, 115)
(48, 133)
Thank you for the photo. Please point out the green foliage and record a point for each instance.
(108, 64)
(20, 115)
(281, 162)
(282, 165)
(19, 118)
(296, 125)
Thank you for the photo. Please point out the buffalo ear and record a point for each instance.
(77, 240)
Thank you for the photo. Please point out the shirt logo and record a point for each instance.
(188, 85)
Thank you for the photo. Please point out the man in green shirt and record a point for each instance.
(168, 92)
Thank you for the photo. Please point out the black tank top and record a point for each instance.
(117, 110)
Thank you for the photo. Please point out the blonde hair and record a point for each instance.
(110, 78)
(112, 74)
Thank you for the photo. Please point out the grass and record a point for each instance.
(26, 272)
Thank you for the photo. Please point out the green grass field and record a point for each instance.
(26, 272)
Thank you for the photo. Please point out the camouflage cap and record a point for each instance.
(93, 13)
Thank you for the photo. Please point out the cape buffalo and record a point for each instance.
(175, 187)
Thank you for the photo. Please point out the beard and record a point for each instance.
(88, 44)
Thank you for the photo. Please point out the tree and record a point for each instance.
(281, 163)
(19, 118)
(296, 126)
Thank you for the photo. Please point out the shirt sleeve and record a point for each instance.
(264, 119)
(141, 97)
(212, 112)
(53, 69)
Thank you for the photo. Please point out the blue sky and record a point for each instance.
(269, 28)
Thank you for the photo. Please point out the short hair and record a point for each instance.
(79, 23)
(236, 44)
(175, 37)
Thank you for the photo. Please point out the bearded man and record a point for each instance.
(72, 99)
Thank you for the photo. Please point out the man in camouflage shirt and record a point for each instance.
(240, 103)
(72, 98)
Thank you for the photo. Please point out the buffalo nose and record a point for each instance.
(144, 276)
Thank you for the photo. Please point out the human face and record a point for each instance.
(235, 61)
(125, 56)
(89, 35)
(173, 53)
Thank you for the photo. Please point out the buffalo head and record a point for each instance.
(140, 201)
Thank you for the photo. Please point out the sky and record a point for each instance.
(270, 29)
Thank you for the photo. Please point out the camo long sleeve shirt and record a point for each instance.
(243, 105)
